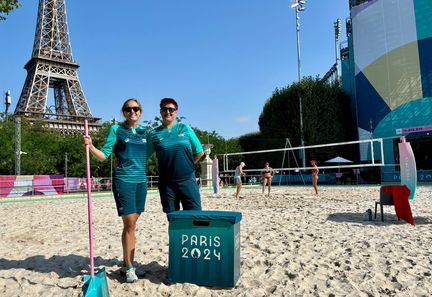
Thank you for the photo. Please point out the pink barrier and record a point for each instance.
(7, 183)
(28, 185)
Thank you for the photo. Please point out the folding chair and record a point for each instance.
(385, 199)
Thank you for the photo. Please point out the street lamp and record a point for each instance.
(18, 151)
(18, 146)
(8, 102)
(66, 173)
(299, 5)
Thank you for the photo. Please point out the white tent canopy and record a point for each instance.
(339, 159)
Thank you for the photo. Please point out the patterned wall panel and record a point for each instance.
(392, 41)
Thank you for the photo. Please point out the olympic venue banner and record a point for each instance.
(408, 168)
(29, 185)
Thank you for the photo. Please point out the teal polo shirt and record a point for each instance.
(175, 148)
(130, 147)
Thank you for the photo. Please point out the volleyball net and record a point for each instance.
(290, 158)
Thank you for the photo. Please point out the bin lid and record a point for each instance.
(230, 216)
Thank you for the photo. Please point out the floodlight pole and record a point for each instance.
(337, 27)
(298, 5)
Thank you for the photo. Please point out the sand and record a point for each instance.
(293, 243)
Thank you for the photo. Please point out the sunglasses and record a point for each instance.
(168, 109)
(129, 109)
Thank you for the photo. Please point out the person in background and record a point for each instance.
(128, 141)
(226, 180)
(267, 173)
(237, 178)
(221, 180)
(315, 172)
(178, 150)
(215, 174)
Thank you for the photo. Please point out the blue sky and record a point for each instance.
(220, 59)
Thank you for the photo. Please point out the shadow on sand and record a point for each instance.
(72, 266)
(359, 218)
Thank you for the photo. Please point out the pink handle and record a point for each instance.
(89, 200)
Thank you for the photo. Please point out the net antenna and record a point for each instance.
(375, 148)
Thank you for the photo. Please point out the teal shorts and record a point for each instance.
(184, 192)
(129, 197)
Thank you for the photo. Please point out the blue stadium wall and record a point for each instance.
(389, 70)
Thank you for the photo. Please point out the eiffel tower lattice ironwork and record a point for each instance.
(52, 66)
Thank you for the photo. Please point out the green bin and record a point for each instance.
(204, 247)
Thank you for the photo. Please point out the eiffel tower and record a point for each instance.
(52, 66)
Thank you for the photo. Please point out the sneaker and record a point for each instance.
(123, 270)
(131, 277)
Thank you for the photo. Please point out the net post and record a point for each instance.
(382, 150)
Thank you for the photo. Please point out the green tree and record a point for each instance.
(7, 6)
(47, 149)
(7, 147)
(73, 146)
(41, 146)
(326, 117)
(220, 146)
(257, 141)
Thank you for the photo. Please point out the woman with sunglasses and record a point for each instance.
(178, 150)
(128, 141)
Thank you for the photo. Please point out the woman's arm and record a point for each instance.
(197, 148)
(197, 157)
(108, 146)
(93, 150)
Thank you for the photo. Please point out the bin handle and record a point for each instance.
(201, 223)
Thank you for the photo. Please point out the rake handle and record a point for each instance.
(89, 200)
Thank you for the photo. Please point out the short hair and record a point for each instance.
(131, 99)
(166, 101)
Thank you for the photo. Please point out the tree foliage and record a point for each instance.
(49, 152)
(7, 148)
(46, 150)
(220, 145)
(258, 141)
(326, 118)
(7, 6)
